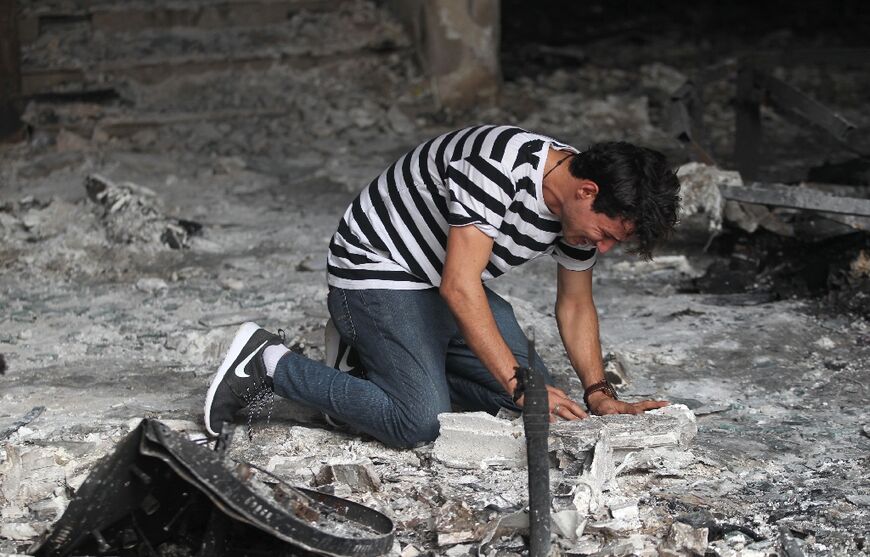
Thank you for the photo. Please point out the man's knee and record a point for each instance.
(418, 426)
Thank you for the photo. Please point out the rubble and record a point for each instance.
(700, 192)
(476, 439)
(358, 474)
(134, 214)
(266, 147)
(684, 539)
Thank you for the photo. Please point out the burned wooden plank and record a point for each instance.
(685, 115)
(747, 143)
(786, 97)
(135, 17)
(795, 197)
(10, 70)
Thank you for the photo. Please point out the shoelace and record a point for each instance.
(263, 397)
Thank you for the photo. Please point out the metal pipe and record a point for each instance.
(536, 421)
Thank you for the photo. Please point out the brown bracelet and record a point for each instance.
(603, 386)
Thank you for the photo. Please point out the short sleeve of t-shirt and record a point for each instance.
(574, 258)
(480, 191)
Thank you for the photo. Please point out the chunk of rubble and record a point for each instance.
(456, 524)
(477, 440)
(358, 474)
(699, 191)
(134, 214)
(683, 539)
(662, 461)
(19, 531)
(568, 524)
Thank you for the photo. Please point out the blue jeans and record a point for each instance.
(416, 363)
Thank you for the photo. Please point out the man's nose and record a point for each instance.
(604, 245)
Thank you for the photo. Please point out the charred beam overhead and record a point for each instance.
(781, 195)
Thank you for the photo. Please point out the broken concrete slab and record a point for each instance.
(476, 439)
(358, 474)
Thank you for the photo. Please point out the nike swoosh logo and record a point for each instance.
(240, 369)
(343, 365)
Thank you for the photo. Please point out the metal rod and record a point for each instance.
(536, 421)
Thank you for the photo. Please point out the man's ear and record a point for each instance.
(586, 189)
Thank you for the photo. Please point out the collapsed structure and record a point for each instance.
(221, 152)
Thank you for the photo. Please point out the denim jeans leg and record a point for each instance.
(401, 338)
(472, 386)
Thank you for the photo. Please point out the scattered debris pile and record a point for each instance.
(134, 214)
(161, 494)
(795, 241)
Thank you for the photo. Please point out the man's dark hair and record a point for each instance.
(634, 183)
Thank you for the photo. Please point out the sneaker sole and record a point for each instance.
(242, 336)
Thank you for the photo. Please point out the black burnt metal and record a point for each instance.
(159, 488)
(536, 421)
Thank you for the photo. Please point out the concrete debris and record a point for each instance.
(300, 114)
(151, 285)
(476, 440)
(699, 192)
(635, 545)
(569, 524)
(358, 474)
(456, 523)
(134, 214)
(662, 461)
(792, 546)
(686, 540)
(677, 263)
(18, 531)
(617, 369)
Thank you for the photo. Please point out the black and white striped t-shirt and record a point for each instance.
(394, 234)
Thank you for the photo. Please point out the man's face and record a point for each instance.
(582, 225)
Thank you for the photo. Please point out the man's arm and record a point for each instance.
(468, 251)
(578, 325)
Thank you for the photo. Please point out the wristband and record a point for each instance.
(603, 386)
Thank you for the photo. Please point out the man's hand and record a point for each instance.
(600, 404)
(561, 406)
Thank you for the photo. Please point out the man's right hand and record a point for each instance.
(561, 406)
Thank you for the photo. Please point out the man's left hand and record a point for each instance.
(600, 404)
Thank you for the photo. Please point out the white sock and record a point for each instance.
(271, 355)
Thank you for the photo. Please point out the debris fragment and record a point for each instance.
(133, 214)
(699, 192)
(186, 482)
(34, 413)
(358, 474)
(684, 539)
(476, 439)
(151, 285)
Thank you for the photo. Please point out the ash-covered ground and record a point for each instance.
(138, 230)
